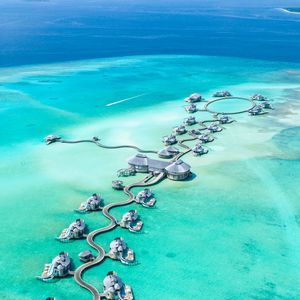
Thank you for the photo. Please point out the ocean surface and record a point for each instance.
(232, 232)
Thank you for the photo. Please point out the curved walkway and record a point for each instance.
(113, 223)
(205, 108)
(97, 142)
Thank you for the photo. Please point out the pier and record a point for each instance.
(157, 170)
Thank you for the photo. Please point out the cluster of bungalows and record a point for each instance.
(176, 170)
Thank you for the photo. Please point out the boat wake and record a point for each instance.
(126, 99)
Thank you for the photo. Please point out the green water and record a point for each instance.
(230, 233)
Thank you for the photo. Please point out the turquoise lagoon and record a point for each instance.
(230, 233)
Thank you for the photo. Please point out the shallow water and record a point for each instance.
(230, 233)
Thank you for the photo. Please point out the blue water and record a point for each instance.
(50, 31)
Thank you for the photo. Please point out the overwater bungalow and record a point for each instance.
(86, 256)
(145, 197)
(131, 221)
(194, 132)
(49, 139)
(179, 130)
(76, 230)
(59, 267)
(115, 289)
(213, 127)
(192, 108)
(266, 105)
(117, 184)
(169, 139)
(168, 152)
(120, 251)
(259, 97)
(224, 119)
(221, 94)
(199, 150)
(257, 110)
(93, 203)
(196, 97)
(178, 170)
(205, 138)
(191, 120)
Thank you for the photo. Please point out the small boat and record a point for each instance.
(74, 231)
(192, 108)
(179, 130)
(49, 139)
(86, 256)
(196, 97)
(191, 120)
(221, 94)
(169, 140)
(117, 184)
(259, 97)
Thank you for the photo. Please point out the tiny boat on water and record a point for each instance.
(115, 289)
(120, 251)
(76, 230)
(58, 268)
(131, 221)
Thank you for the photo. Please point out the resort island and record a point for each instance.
(156, 165)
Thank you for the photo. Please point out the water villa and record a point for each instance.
(174, 170)
(86, 256)
(168, 152)
(117, 184)
(196, 97)
(114, 288)
(222, 94)
(49, 139)
(205, 138)
(169, 139)
(179, 130)
(145, 197)
(131, 220)
(266, 105)
(259, 97)
(224, 119)
(191, 120)
(192, 108)
(194, 132)
(74, 231)
(199, 150)
(120, 251)
(93, 203)
(257, 110)
(213, 127)
(59, 267)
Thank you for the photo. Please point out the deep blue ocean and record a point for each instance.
(52, 31)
